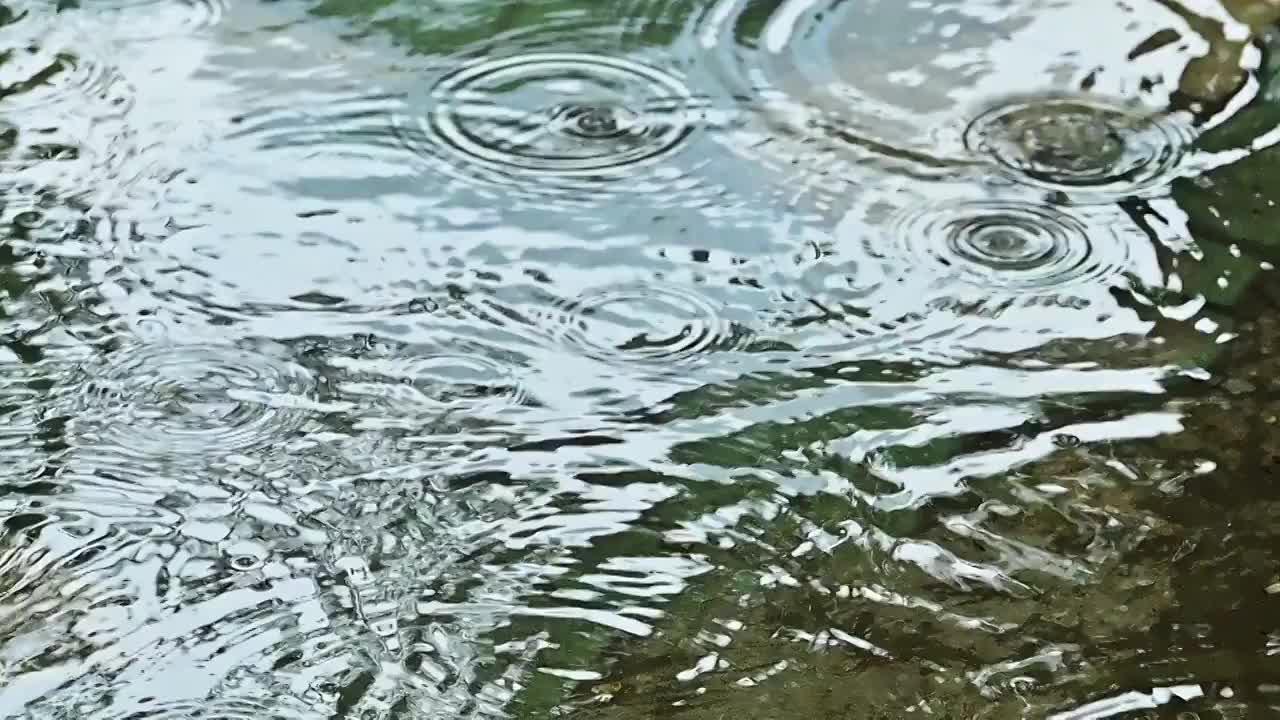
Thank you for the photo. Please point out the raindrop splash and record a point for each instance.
(1079, 145)
(151, 19)
(560, 123)
(841, 90)
(402, 391)
(1006, 245)
(190, 401)
(348, 126)
(647, 323)
(47, 66)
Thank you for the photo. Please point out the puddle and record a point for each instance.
(548, 359)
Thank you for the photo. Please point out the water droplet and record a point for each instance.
(595, 122)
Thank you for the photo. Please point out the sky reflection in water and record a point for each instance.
(645, 358)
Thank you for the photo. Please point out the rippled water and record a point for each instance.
(642, 358)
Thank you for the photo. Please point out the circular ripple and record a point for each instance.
(191, 400)
(413, 386)
(1078, 145)
(1004, 245)
(50, 64)
(648, 323)
(844, 88)
(150, 19)
(272, 707)
(566, 122)
(338, 124)
(32, 160)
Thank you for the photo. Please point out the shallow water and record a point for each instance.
(645, 358)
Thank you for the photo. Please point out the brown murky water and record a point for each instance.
(645, 358)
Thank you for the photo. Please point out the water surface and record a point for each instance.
(644, 358)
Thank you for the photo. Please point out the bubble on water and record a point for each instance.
(193, 401)
(559, 123)
(1079, 145)
(1006, 245)
(649, 323)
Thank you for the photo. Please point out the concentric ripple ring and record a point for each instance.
(52, 64)
(1079, 146)
(432, 384)
(151, 19)
(1006, 245)
(558, 117)
(191, 400)
(645, 323)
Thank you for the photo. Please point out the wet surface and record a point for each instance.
(376, 359)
